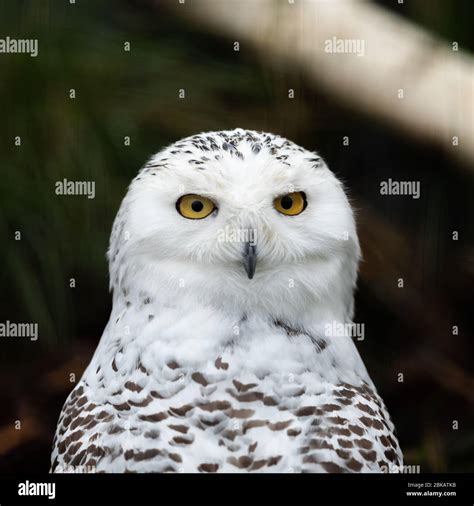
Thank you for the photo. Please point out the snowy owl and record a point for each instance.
(233, 261)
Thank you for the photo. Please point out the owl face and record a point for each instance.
(243, 215)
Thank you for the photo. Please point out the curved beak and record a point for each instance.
(250, 259)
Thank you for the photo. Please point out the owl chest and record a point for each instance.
(197, 425)
(196, 422)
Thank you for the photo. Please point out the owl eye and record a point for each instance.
(290, 204)
(194, 207)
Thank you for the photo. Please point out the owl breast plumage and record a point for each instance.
(209, 365)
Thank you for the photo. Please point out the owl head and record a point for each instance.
(239, 221)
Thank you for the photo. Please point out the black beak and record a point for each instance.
(250, 259)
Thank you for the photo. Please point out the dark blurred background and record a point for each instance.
(135, 94)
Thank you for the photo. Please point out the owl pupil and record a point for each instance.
(286, 202)
(197, 206)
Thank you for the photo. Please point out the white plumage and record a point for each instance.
(201, 368)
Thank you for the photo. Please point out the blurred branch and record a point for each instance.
(437, 82)
(37, 410)
(58, 379)
(451, 376)
(11, 437)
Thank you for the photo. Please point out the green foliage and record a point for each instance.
(118, 93)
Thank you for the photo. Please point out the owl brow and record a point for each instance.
(315, 161)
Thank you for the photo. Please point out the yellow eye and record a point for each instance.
(290, 204)
(194, 207)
